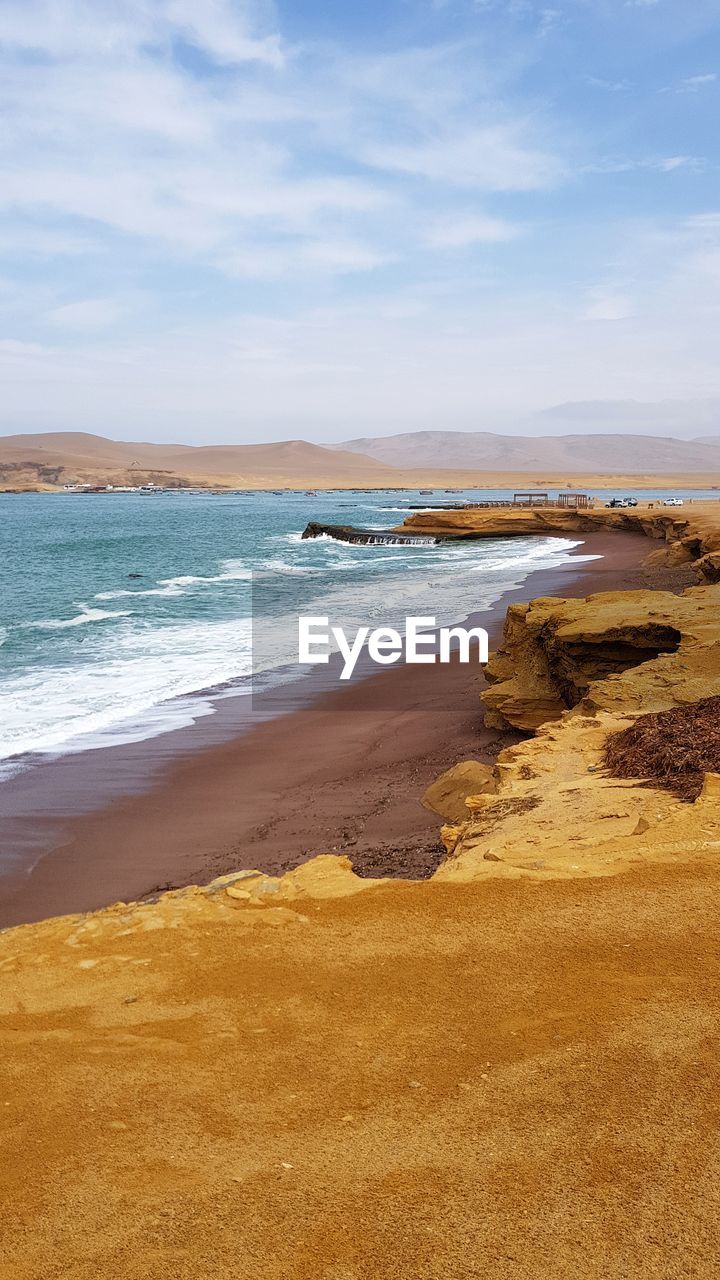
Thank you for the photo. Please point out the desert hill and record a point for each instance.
(51, 460)
(600, 453)
(82, 449)
(56, 458)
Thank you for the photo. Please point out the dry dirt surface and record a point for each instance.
(416, 1082)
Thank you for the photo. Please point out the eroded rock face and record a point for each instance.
(708, 566)
(553, 650)
(368, 537)
(691, 534)
(447, 796)
(556, 811)
(674, 554)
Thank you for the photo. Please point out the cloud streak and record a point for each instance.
(203, 209)
(124, 131)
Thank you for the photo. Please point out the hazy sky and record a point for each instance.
(231, 220)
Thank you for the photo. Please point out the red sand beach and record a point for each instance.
(344, 774)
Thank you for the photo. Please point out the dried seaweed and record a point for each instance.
(671, 750)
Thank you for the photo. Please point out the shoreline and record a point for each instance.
(341, 775)
(438, 480)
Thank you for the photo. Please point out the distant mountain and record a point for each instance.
(603, 453)
(418, 460)
(57, 458)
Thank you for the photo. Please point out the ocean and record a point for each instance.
(121, 614)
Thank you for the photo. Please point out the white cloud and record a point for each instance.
(86, 316)
(548, 19)
(412, 360)
(693, 84)
(43, 242)
(663, 164)
(315, 258)
(610, 86)
(703, 224)
(105, 28)
(216, 27)
(180, 164)
(116, 137)
(416, 356)
(495, 158)
(668, 163)
(458, 233)
(608, 304)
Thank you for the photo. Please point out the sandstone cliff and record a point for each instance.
(577, 671)
(691, 533)
(554, 650)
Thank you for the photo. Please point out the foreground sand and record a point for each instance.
(509, 1079)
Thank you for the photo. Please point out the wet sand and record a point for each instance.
(343, 775)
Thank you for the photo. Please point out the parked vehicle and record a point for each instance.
(672, 502)
(630, 502)
(616, 502)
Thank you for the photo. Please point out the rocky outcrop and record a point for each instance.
(693, 532)
(578, 671)
(367, 537)
(448, 794)
(553, 650)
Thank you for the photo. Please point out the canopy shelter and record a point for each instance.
(575, 500)
(531, 499)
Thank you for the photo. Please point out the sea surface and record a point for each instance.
(120, 614)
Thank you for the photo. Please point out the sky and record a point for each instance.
(243, 221)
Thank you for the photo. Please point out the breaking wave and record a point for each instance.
(86, 615)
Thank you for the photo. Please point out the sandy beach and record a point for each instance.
(343, 775)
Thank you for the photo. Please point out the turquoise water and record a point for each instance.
(91, 654)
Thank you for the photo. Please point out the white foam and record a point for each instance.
(87, 615)
(233, 571)
(151, 591)
(284, 566)
(146, 676)
(44, 708)
(391, 598)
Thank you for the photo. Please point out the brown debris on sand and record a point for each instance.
(414, 859)
(672, 749)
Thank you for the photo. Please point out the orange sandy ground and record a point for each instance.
(420, 1082)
